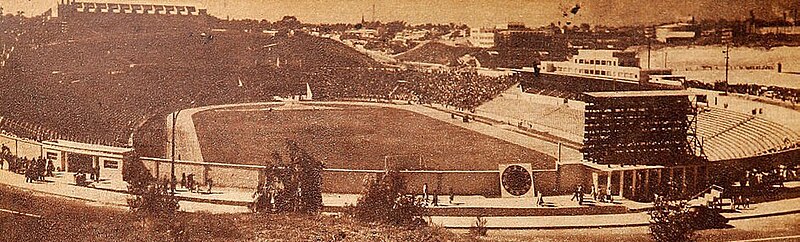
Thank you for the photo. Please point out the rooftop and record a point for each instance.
(658, 93)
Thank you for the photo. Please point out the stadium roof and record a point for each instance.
(624, 94)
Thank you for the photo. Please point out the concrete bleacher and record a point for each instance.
(729, 135)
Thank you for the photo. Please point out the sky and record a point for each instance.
(475, 13)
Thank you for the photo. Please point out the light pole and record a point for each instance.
(172, 163)
(727, 37)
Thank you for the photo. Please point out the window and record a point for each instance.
(111, 164)
(581, 61)
(602, 62)
(591, 62)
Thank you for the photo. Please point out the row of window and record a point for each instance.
(597, 72)
(596, 62)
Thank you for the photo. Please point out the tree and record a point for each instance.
(150, 197)
(308, 174)
(384, 202)
(670, 219)
(296, 182)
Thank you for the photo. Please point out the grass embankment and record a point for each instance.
(70, 220)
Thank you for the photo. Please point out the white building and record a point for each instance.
(673, 32)
(482, 37)
(610, 64)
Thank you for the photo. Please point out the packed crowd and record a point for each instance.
(128, 78)
(779, 93)
(464, 90)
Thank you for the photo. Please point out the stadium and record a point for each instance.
(175, 86)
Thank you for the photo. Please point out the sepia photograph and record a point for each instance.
(399, 120)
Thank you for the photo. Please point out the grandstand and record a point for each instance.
(97, 85)
(730, 135)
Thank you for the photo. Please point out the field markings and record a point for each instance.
(20, 213)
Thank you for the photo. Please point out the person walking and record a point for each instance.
(539, 199)
(209, 182)
(183, 179)
(452, 195)
(425, 192)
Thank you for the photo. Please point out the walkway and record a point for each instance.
(104, 195)
(62, 185)
(766, 209)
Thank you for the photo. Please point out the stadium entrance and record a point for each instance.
(80, 163)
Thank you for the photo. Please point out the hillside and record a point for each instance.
(68, 220)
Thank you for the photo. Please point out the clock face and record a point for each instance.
(516, 180)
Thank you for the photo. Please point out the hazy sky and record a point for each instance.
(471, 12)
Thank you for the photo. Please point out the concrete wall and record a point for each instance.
(22, 147)
(573, 175)
(32, 149)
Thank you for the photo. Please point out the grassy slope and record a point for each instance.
(67, 220)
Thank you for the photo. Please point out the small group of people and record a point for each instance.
(578, 194)
(435, 197)
(188, 182)
(738, 202)
(35, 169)
(597, 195)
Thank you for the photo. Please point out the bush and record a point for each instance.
(479, 229)
(295, 185)
(152, 199)
(384, 202)
(670, 219)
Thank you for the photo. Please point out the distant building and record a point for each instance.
(615, 65)
(410, 35)
(678, 32)
(788, 30)
(363, 33)
(482, 37)
(104, 16)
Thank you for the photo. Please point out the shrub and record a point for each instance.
(152, 199)
(296, 183)
(384, 202)
(670, 219)
(479, 229)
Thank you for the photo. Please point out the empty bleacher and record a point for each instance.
(729, 135)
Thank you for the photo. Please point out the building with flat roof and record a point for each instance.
(676, 32)
(482, 37)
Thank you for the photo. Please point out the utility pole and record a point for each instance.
(727, 36)
(648, 33)
(172, 164)
(727, 60)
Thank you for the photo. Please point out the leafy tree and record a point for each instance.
(308, 178)
(153, 199)
(384, 202)
(670, 219)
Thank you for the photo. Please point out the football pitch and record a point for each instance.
(354, 137)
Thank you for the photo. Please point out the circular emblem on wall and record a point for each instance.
(516, 180)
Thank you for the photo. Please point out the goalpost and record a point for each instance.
(403, 162)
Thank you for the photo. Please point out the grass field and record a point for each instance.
(354, 137)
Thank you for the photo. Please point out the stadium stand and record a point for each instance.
(728, 134)
(96, 85)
